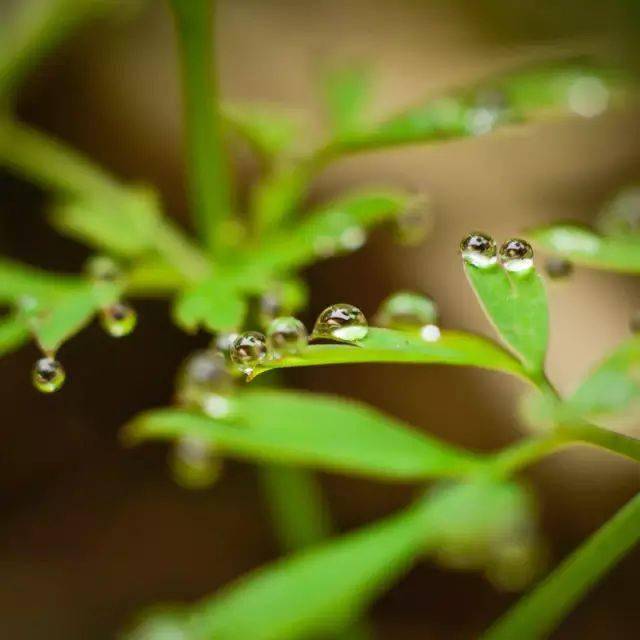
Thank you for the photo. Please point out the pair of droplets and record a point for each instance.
(480, 250)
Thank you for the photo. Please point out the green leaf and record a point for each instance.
(18, 280)
(311, 430)
(214, 304)
(347, 92)
(337, 227)
(385, 345)
(126, 228)
(516, 304)
(612, 386)
(585, 247)
(270, 131)
(538, 613)
(315, 593)
(13, 333)
(67, 314)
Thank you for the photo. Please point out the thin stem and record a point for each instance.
(539, 612)
(603, 438)
(206, 166)
(38, 27)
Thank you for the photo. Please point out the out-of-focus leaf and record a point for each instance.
(214, 304)
(386, 345)
(125, 226)
(311, 430)
(539, 612)
(19, 280)
(67, 314)
(586, 247)
(347, 92)
(337, 227)
(278, 194)
(519, 96)
(13, 333)
(516, 304)
(612, 386)
(269, 130)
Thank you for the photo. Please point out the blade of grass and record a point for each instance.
(538, 613)
(206, 164)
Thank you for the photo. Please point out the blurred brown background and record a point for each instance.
(89, 532)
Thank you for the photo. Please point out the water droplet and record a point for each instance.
(479, 250)
(516, 255)
(621, 215)
(588, 96)
(194, 464)
(413, 226)
(118, 320)
(341, 321)
(558, 268)
(103, 269)
(249, 350)
(48, 375)
(406, 310)
(490, 110)
(204, 373)
(217, 406)
(430, 333)
(223, 341)
(634, 322)
(352, 238)
(286, 336)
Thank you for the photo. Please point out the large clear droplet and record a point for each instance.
(103, 269)
(194, 464)
(204, 373)
(516, 255)
(558, 268)
(341, 321)
(248, 351)
(118, 320)
(406, 310)
(286, 336)
(48, 375)
(479, 250)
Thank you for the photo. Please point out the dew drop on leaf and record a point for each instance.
(248, 351)
(203, 374)
(118, 320)
(406, 311)
(516, 255)
(341, 321)
(479, 250)
(286, 336)
(102, 269)
(48, 375)
(490, 110)
(194, 464)
(588, 96)
(430, 333)
(353, 238)
(558, 268)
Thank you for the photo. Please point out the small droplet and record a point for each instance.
(490, 110)
(516, 255)
(406, 311)
(118, 320)
(413, 226)
(430, 333)
(216, 405)
(203, 373)
(479, 250)
(248, 351)
(286, 336)
(588, 96)
(341, 321)
(103, 269)
(353, 238)
(223, 341)
(558, 268)
(48, 375)
(634, 322)
(194, 464)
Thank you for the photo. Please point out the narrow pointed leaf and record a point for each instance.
(13, 333)
(404, 347)
(538, 613)
(312, 430)
(587, 248)
(516, 305)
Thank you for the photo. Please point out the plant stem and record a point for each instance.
(538, 613)
(37, 28)
(603, 438)
(206, 166)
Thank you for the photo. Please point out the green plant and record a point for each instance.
(476, 516)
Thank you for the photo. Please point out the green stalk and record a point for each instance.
(539, 612)
(207, 171)
(37, 27)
